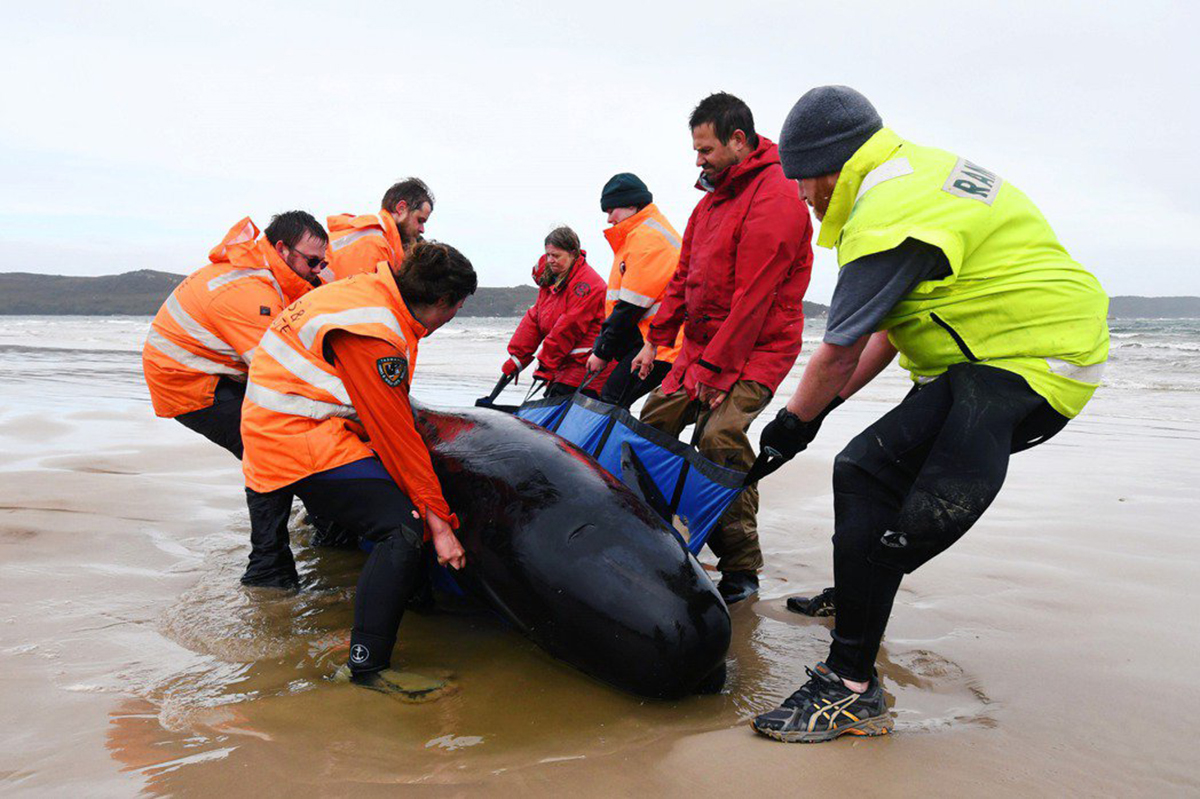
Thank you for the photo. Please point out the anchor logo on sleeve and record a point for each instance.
(359, 653)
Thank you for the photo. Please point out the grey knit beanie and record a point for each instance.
(825, 127)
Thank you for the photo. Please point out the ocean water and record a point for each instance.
(73, 361)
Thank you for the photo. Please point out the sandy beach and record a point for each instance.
(1051, 652)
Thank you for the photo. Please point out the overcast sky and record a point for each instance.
(132, 135)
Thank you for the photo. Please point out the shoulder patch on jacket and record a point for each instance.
(393, 369)
(973, 182)
(264, 310)
(582, 289)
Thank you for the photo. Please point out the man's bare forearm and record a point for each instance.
(827, 373)
(876, 355)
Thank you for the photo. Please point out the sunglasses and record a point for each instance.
(313, 261)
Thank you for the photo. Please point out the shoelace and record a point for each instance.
(809, 689)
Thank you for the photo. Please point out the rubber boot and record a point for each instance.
(736, 586)
(390, 577)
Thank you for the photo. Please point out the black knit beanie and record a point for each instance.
(624, 190)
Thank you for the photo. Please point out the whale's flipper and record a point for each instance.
(634, 475)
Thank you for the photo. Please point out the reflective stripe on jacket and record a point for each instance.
(743, 270)
(564, 320)
(645, 254)
(1015, 299)
(357, 244)
(297, 418)
(211, 323)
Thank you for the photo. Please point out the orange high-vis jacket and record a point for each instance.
(298, 418)
(645, 254)
(358, 243)
(211, 323)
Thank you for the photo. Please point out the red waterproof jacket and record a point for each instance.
(565, 320)
(743, 270)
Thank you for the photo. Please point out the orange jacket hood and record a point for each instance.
(246, 249)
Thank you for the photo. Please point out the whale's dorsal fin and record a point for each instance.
(635, 476)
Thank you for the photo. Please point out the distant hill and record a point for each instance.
(141, 293)
(134, 293)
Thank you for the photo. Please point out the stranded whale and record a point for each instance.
(573, 558)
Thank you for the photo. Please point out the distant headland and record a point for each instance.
(141, 293)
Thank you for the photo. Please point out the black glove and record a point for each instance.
(787, 436)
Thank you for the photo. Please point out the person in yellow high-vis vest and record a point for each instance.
(948, 264)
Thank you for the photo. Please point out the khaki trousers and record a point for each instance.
(723, 440)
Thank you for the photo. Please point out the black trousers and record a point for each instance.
(362, 497)
(911, 484)
(220, 423)
(624, 388)
(558, 389)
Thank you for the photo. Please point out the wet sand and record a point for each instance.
(1051, 651)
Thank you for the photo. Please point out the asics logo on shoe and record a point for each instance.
(830, 710)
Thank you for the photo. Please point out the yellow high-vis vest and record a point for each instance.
(1015, 299)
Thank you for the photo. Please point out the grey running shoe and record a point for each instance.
(825, 708)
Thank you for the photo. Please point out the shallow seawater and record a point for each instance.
(121, 574)
(260, 681)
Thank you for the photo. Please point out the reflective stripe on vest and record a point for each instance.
(354, 316)
(896, 168)
(189, 359)
(350, 238)
(302, 368)
(295, 405)
(633, 298)
(201, 335)
(239, 274)
(1084, 374)
(671, 238)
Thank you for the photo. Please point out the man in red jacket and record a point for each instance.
(743, 270)
(564, 320)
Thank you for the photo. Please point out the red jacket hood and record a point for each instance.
(738, 175)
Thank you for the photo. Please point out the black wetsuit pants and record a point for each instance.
(913, 483)
(221, 422)
(362, 497)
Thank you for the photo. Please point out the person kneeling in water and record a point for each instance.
(327, 418)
